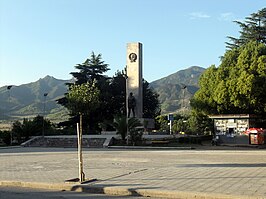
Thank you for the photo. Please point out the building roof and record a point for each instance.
(233, 116)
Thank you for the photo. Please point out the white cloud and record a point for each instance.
(228, 16)
(196, 15)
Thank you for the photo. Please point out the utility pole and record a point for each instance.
(9, 101)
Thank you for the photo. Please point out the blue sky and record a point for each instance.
(49, 37)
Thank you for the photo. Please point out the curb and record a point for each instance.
(37, 185)
(120, 191)
(10, 147)
(150, 147)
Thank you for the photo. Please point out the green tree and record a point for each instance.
(5, 137)
(203, 99)
(22, 131)
(180, 125)
(237, 85)
(151, 104)
(83, 99)
(92, 69)
(252, 29)
(18, 131)
(161, 123)
(199, 123)
(118, 94)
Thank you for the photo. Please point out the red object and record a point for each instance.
(256, 135)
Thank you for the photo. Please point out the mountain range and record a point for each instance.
(39, 98)
(29, 100)
(176, 89)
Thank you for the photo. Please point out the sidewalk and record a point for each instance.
(157, 173)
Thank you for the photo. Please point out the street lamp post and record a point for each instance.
(44, 103)
(184, 87)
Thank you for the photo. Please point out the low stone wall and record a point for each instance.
(61, 141)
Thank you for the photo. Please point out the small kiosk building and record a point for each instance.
(230, 128)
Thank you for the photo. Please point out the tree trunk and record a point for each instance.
(79, 129)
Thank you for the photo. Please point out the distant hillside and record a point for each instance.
(27, 100)
(176, 89)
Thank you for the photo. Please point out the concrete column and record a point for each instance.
(134, 74)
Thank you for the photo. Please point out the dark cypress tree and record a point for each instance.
(91, 69)
(151, 104)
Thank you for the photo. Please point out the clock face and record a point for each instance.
(132, 57)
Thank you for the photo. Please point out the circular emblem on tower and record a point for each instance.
(132, 57)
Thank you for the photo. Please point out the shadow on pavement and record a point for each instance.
(120, 189)
(224, 165)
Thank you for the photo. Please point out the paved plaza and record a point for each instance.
(198, 173)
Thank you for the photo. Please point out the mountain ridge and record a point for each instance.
(175, 90)
(28, 100)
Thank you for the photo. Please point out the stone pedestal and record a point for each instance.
(134, 74)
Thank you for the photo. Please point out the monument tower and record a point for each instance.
(134, 76)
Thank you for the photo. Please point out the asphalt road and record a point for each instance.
(26, 193)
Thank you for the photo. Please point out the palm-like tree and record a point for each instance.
(122, 122)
